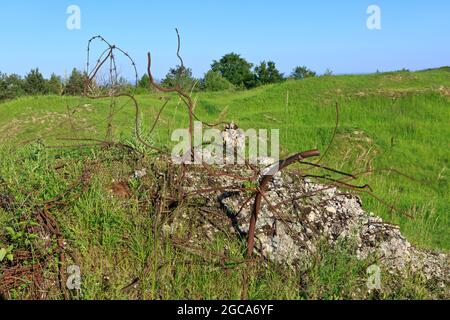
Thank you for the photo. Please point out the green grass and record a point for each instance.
(401, 118)
(115, 240)
(389, 120)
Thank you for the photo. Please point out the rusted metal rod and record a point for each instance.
(282, 164)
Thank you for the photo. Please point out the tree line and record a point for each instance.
(231, 72)
(13, 86)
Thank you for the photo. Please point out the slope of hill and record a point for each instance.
(85, 206)
(389, 120)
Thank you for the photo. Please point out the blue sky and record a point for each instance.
(320, 34)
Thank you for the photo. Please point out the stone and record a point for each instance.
(325, 215)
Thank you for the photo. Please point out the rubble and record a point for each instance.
(311, 213)
(297, 215)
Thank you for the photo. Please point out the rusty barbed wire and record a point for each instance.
(110, 55)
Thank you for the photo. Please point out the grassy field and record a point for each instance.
(390, 120)
(387, 120)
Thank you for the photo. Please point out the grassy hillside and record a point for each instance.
(119, 243)
(387, 120)
(390, 120)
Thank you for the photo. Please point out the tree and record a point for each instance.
(214, 81)
(3, 86)
(75, 84)
(302, 72)
(11, 86)
(55, 85)
(144, 82)
(35, 84)
(15, 86)
(236, 70)
(181, 76)
(328, 73)
(267, 73)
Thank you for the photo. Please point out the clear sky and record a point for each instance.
(320, 34)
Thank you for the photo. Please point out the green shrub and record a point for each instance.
(300, 73)
(35, 83)
(267, 73)
(214, 81)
